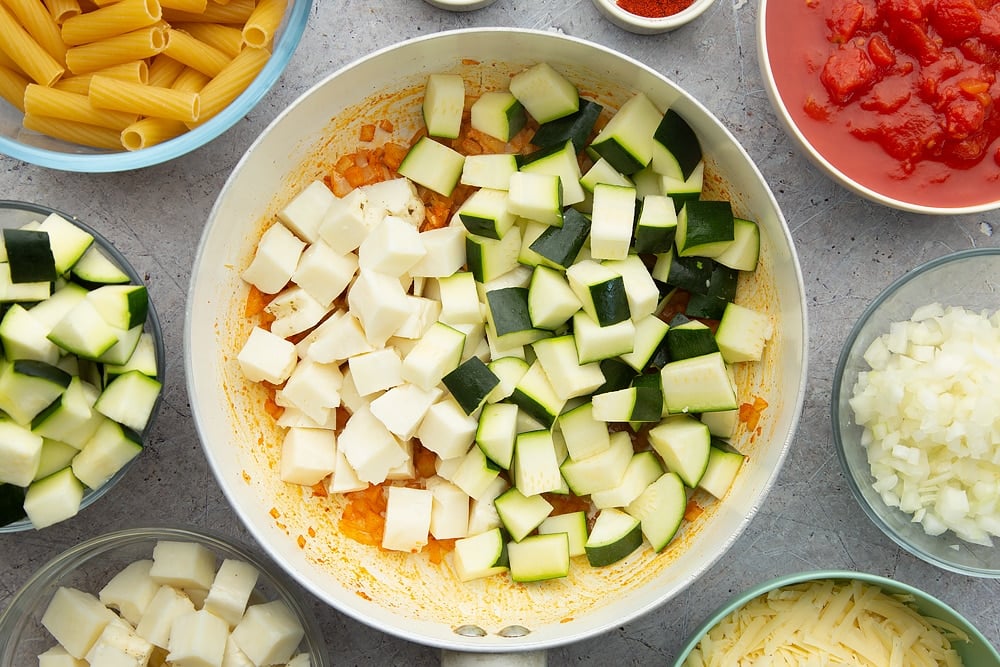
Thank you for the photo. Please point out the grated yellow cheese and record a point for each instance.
(824, 623)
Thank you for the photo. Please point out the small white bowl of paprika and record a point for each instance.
(650, 17)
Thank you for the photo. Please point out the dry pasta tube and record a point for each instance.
(40, 25)
(226, 38)
(196, 6)
(8, 62)
(235, 11)
(60, 10)
(42, 101)
(136, 71)
(198, 55)
(163, 70)
(190, 80)
(151, 131)
(259, 29)
(121, 17)
(75, 133)
(135, 45)
(26, 53)
(231, 81)
(106, 93)
(12, 86)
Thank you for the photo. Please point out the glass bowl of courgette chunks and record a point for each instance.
(81, 370)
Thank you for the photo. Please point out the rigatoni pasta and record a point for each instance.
(116, 74)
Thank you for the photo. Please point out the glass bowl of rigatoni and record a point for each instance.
(108, 86)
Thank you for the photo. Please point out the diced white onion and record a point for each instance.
(931, 417)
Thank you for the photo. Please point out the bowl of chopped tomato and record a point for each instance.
(894, 101)
(409, 432)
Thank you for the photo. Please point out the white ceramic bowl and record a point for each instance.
(968, 279)
(409, 596)
(460, 5)
(91, 564)
(792, 47)
(35, 148)
(17, 213)
(646, 25)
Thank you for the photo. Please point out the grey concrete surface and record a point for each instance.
(849, 249)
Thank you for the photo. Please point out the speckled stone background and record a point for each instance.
(849, 250)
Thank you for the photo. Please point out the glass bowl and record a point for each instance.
(18, 213)
(91, 564)
(976, 651)
(35, 148)
(967, 278)
(645, 25)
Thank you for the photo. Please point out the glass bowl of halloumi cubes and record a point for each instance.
(159, 596)
(81, 374)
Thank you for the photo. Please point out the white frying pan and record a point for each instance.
(408, 596)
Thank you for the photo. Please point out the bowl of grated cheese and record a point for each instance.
(915, 416)
(836, 617)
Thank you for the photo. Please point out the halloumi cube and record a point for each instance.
(182, 564)
(324, 273)
(307, 455)
(234, 583)
(269, 633)
(376, 371)
(402, 408)
(445, 252)
(267, 357)
(392, 247)
(76, 619)
(130, 591)
(407, 518)
(198, 639)
(370, 448)
(379, 303)
(343, 226)
(275, 259)
(305, 213)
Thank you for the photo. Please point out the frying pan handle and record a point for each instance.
(521, 659)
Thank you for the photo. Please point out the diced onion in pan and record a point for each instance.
(931, 416)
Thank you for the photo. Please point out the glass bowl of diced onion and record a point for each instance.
(915, 411)
(57, 454)
(802, 618)
(122, 589)
(68, 104)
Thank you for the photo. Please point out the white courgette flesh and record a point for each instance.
(534, 360)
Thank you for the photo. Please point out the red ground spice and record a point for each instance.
(654, 9)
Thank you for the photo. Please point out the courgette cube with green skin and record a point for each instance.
(479, 556)
(489, 170)
(640, 288)
(612, 221)
(94, 268)
(535, 395)
(29, 256)
(601, 291)
(721, 471)
(443, 104)
(742, 334)
(545, 93)
(568, 377)
(575, 127)
(521, 514)
(660, 510)
(614, 536)
(23, 336)
(551, 301)
(475, 474)
(53, 499)
(627, 139)
(130, 399)
(698, 384)
(498, 114)
(121, 306)
(471, 383)
(561, 245)
(508, 310)
(704, 306)
(67, 241)
(692, 274)
(67, 414)
(485, 213)
(683, 442)
(618, 374)
(509, 370)
(704, 228)
(642, 470)
(573, 524)
(657, 225)
(723, 282)
(675, 135)
(20, 453)
(107, 452)
(650, 332)
(489, 259)
(632, 404)
(84, 332)
(536, 196)
(721, 424)
(603, 470)
(690, 339)
(602, 172)
(595, 342)
(28, 386)
(560, 161)
(55, 456)
(647, 183)
(12, 292)
(539, 557)
(11, 503)
(433, 165)
(535, 464)
(684, 191)
(584, 435)
(744, 251)
(142, 359)
(497, 432)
